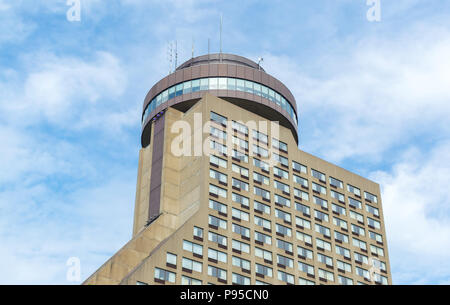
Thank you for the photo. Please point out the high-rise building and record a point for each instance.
(225, 196)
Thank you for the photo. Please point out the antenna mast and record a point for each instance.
(221, 21)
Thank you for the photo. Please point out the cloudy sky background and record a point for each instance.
(372, 97)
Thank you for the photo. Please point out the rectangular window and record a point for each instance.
(266, 224)
(217, 206)
(198, 232)
(186, 280)
(323, 230)
(264, 254)
(262, 238)
(321, 202)
(238, 279)
(280, 173)
(374, 224)
(241, 263)
(221, 274)
(280, 159)
(282, 187)
(376, 250)
(321, 216)
(221, 178)
(220, 148)
(305, 282)
(240, 246)
(283, 230)
(263, 270)
(361, 258)
(325, 259)
(191, 265)
(261, 164)
(217, 133)
(282, 201)
(308, 269)
(336, 183)
(242, 144)
(302, 181)
(284, 261)
(372, 210)
(303, 209)
(242, 128)
(239, 170)
(354, 190)
(218, 162)
(284, 245)
(301, 195)
(343, 251)
(338, 196)
(260, 179)
(217, 222)
(286, 217)
(261, 207)
(240, 230)
(360, 244)
(344, 280)
(337, 209)
(239, 184)
(302, 223)
(260, 151)
(260, 137)
(358, 230)
(354, 203)
(304, 253)
(376, 237)
(370, 197)
(299, 168)
(164, 275)
(261, 192)
(340, 223)
(319, 189)
(242, 200)
(286, 277)
(194, 248)
(279, 145)
(320, 176)
(343, 266)
(239, 156)
(307, 239)
(323, 245)
(239, 215)
(218, 118)
(340, 237)
(356, 216)
(217, 238)
(171, 259)
(217, 256)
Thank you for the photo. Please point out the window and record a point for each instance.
(242, 200)
(303, 209)
(321, 216)
(141, 283)
(261, 164)
(222, 149)
(301, 195)
(376, 237)
(219, 162)
(323, 230)
(217, 222)
(284, 245)
(354, 203)
(318, 175)
(338, 236)
(217, 238)
(239, 170)
(324, 259)
(304, 253)
(280, 159)
(297, 167)
(286, 277)
(280, 173)
(336, 183)
(242, 144)
(171, 259)
(281, 186)
(219, 207)
(376, 250)
(372, 210)
(283, 230)
(362, 272)
(343, 251)
(198, 232)
(193, 248)
(337, 209)
(217, 191)
(186, 280)
(217, 272)
(191, 265)
(340, 197)
(263, 238)
(308, 269)
(260, 137)
(378, 278)
(282, 201)
(340, 223)
(323, 245)
(261, 192)
(239, 185)
(356, 216)
(279, 145)
(370, 197)
(261, 179)
(242, 128)
(302, 181)
(240, 215)
(305, 282)
(264, 254)
(261, 207)
(358, 230)
(240, 246)
(360, 244)
(343, 266)
(239, 156)
(344, 280)
(218, 118)
(326, 275)
(243, 231)
(360, 258)
(352, 189)
(164, 275)
(260, 152)
(379, 264)
(263, 270)
(285, 261)
(266, 224)
(307, 239)
(317, 188)
(241, 263)
(375, 224)
(322, 202)
(240, 279)
(286, 217)
(302, 223)
(217, 133)
(216, 255)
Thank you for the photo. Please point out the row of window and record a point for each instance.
(220, 83)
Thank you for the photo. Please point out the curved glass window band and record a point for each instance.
(219, 83)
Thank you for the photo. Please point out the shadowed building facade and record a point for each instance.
(254, 209)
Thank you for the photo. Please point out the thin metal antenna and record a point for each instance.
(170, 55)
(221, 21)
(176, 55)
(260, 59)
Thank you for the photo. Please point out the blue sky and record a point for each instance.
(372, 97)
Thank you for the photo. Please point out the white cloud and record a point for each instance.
(416, 205)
